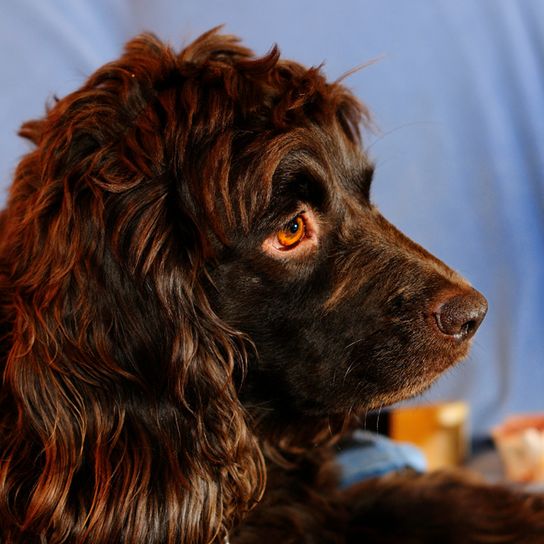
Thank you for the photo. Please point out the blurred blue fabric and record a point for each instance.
(457, 91)
(372, 455)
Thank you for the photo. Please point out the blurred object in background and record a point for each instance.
(520, 442)
(439, 430)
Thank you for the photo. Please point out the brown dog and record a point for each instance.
(198, 298)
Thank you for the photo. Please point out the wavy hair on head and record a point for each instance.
(119, 412)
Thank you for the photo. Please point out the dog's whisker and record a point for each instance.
(378, 419)
(348, 370)
(376, 140)
(354, 343)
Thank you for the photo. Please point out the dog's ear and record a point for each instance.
(120, 420)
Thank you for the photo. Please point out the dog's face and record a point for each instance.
(346, 313)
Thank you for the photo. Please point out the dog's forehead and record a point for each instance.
(316, 164)
(338, 164)
(327, 152)
(342, 181)
(350, 163)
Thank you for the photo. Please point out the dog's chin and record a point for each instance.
(388, 398)
(368, 391)
(378, 395)
(410, 388)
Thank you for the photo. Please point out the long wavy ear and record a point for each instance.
(119, 418)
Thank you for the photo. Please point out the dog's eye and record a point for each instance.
(292, 233)
(297, 238)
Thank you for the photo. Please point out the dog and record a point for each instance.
(199, 299)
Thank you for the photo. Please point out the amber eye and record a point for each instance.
(292, 233)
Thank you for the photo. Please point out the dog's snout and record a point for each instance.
(460, 315)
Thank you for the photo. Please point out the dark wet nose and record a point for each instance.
(460, 315)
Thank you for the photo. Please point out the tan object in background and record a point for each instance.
(520, 441)
(440, 430)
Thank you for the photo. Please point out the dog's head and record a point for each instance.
(345, 312)
(193, 237)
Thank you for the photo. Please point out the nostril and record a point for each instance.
(461, 315)
(469, 327)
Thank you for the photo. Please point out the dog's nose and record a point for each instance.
(461, 315)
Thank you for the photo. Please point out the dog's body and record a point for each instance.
(198, 299)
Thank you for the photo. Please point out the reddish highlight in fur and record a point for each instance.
(119, 418)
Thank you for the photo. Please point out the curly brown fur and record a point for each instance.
(166, 365)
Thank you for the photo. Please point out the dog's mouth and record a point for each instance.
(385, 369)
(399, 358)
